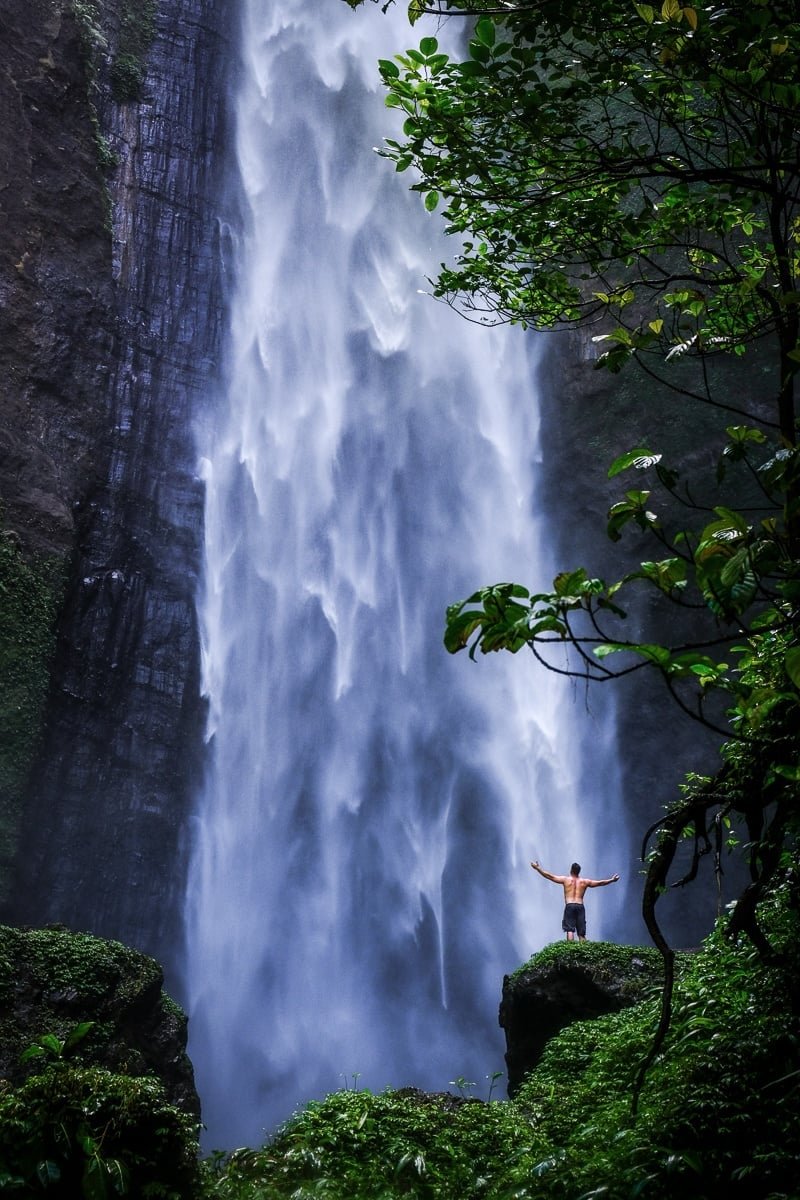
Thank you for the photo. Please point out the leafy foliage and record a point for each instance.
(405, 1143)
(638, 168)
(73, 1132)
(718, 1114)
(737, 569)
(717, 1120)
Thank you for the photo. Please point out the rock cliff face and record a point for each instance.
(569, 982)
(112, 310)
(52, 980)
(56, 290)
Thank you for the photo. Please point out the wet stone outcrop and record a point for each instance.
(52, 980)
(565, 983)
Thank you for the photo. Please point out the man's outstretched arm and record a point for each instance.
(600, 882)
(552, 878)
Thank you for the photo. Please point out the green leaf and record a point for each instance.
(745, 433)
(548, 625)
(480, 53)
(607, 648)
(632, 508)
(640, 458)
(659, 655)
(47, 1172)
(668, 574)
(31, 1053)
(792, 664)
(569, 583)
(50, 1042)
(485, 31)
(95, 1181)
(787, 772)
(460, 629)
(431, 200)
(77, 1034)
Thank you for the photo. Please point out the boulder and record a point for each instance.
(52, 980)
(566, 982)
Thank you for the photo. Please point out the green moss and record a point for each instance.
(608, 961)
(137, 31)
(61, 973)
(30, 595)
(53, 980)
(59, 959)
(719, 1111)
(127, 77)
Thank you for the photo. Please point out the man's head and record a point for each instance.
(575, 869)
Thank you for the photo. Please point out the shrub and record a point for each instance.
(73, 1132)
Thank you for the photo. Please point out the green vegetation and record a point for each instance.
(55, 959)
(82, 1022)
(637, 167)
(717, 1119)
(137, 26)
(73, 1132)
(356, 1144)
(47, 976)
(637, 170)
(618, 163)
(30, 594)
(637, 966)
(137, 31)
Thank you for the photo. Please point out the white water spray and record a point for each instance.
(360, 880)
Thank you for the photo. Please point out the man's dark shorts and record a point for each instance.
(574, 919)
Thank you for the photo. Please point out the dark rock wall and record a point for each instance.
(101, 848)
(56, 291)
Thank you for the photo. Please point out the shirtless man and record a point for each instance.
(575, 886)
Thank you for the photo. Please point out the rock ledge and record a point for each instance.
(566, 982)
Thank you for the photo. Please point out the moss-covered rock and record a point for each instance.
(568, 982)
(718, 1115)
(51, 980)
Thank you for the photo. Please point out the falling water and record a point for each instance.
(360, 877)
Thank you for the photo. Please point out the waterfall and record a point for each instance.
(359, 880)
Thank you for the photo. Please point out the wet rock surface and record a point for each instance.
(56, 291)
(125, 311)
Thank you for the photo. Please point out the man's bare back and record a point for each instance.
(574, 889)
